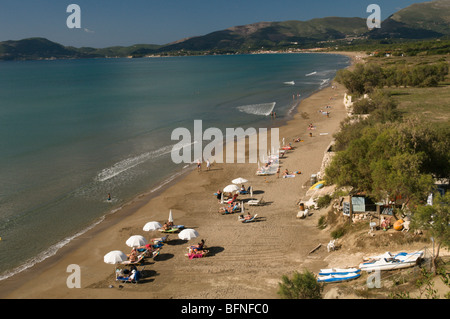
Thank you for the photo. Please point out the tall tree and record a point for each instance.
(436, 219)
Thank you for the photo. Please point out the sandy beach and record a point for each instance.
(246, 261)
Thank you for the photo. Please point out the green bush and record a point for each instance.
(301, 286)
(324, 201)
(338, 233)
(367, 77)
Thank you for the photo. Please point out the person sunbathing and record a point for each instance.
(233, 199)
(199, 246)
(229, 209)
(132, 257)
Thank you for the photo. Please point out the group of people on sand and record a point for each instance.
(199, 165)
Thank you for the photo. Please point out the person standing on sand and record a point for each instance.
(199, 165)
(208, 165)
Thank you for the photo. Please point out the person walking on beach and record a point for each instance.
(199, 165)
(208, 165)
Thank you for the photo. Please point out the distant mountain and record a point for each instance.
(418, 21)
(426, 20)
(41, 48)
(273, 34)
(34, 48)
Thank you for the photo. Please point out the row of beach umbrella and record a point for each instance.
(117, 256)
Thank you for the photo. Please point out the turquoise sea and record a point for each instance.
(72, 131)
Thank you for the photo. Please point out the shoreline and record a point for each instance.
(26, 285)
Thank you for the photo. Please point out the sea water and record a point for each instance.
(74, 131)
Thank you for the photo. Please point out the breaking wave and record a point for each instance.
(263, 109)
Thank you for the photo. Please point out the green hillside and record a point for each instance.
(273, 35)
(424, 21)
(418, 21)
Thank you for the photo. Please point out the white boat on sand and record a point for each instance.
(389, 261)
(338, 277)
(338, 271)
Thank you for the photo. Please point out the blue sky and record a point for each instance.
(126, 22)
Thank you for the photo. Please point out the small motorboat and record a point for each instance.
(339, 277)
(390, 262)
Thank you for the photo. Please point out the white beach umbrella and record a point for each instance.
(136, 240)
(188, 234)
(239, 181)
(231, 188)
(251, 191)
(114, 257)
(170, 216)
(152, 226)
(242, 207)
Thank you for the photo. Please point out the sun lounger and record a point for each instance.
(247, 220)
(232, 200)
(137, 262)
(265, 172)
(255, 202)
(236, 208)
(170, 230)
(159, 240)
(133, 278)
(198, 254)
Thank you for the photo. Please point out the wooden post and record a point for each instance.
(351, 210)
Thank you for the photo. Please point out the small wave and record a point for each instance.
(324, 83)
(290, 83)
(167, 181)
(258, 109)
(131, 162)
(309, 74)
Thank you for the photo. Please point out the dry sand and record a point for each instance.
(246, 260)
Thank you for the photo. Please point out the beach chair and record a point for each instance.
(236, 209)
(137, 262)
(170, 230)
(198, 254)
(160, 240)
(133, 278)
(255, 202)
(243, 220)
(232, 200)
(331, 245)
